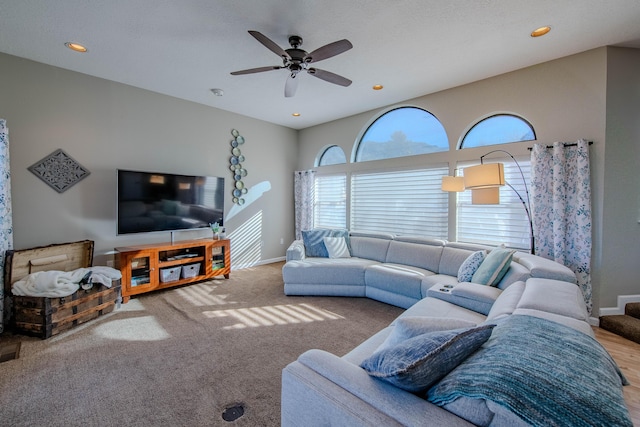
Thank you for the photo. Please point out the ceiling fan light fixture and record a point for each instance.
(296, 60)
(377, 87)
(539, 32)
(76, 47)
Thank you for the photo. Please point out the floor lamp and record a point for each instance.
(484, 181)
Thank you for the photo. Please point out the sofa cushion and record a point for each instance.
(339, 271)
(452, 259)
(507, 301)
(544, 268)
(554, 296)
(336, 247)
(419, 362)
(470, 266)
(469, 295)
(396, 278)
(374, 248)
(434, 307)
(411, 326)
(515, 273)
(425, 256)
(493, 267)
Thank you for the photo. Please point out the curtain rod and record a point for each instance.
(564, 144)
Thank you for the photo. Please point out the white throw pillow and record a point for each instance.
(337, 247)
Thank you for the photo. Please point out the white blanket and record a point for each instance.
(53, 284)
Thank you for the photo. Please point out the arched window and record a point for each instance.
(403, 131)
(332, 155)
(496, 129)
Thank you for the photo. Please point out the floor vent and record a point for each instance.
(234, 412)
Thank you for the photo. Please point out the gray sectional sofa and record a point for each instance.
(520, 352)
(401, 270)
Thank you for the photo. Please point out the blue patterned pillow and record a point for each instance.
(469, 266)
(314, 242)
(419, 362)
(493, 267)
(411, 326)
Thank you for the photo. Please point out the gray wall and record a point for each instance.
(105, 126)
(621, 207)
(565, 99)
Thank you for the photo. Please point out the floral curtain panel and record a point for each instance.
(561, 207)
(6, 224)
(303, 200)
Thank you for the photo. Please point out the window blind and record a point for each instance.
(403, 202)
(330, 204)
(505, 223)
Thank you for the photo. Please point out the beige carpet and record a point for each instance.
(180, 357)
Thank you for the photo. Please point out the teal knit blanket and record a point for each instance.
(546, 373)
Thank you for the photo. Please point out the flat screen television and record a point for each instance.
(153, 201)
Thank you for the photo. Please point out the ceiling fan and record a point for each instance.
(296, 60)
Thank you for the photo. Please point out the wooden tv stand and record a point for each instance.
(147, 268)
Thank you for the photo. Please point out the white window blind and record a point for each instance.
(330, 205)
(405, 202)
(506, 222)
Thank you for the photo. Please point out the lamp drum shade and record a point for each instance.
(452, 183)
(484, 175)
(485, 196)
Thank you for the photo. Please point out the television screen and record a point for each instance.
(150, 201)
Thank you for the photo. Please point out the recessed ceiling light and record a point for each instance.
(296, 114)
(539, 32)
(217, 92)
(377, 87)
(76, 46)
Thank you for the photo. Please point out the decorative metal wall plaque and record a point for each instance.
(59, 171)
(237, 169)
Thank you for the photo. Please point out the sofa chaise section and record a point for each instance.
(323, 389)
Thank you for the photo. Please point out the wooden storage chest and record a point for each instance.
(45, 317)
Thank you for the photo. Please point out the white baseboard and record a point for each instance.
(622, 300)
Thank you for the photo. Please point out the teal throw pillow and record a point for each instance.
(493, 267)
(470, 265)
(419, 362)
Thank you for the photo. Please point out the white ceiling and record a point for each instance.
(412, 47)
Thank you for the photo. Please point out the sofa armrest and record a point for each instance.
(479, 298)
(323, 389)
(296, 251)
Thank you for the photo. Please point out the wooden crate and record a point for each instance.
(45, 317)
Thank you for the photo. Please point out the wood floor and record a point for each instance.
(626, 353)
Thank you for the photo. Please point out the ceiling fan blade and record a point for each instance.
(255, 70)
(329, 50)
(269, 44)
(330, 77)
(291, 85)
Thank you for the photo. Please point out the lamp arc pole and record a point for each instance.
(526, 204)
